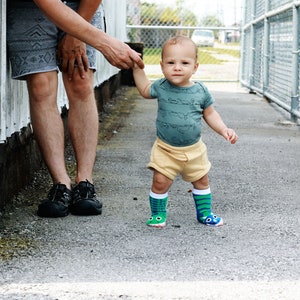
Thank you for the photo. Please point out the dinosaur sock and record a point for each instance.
(158, 205)
(203, 202)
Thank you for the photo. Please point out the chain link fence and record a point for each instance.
(151, 23)
(270, 51)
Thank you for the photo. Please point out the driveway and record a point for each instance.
(255, 186)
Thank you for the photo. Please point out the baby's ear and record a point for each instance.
(196, 66)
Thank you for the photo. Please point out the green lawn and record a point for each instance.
(152, 56)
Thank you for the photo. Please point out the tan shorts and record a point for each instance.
(190, 161)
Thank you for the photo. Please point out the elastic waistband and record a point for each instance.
(179, 149)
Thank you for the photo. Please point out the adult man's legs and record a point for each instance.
(49, 132)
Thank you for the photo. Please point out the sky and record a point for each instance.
(228, 11)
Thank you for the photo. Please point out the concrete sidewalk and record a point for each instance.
(256, 189)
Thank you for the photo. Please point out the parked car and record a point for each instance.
(203, 38)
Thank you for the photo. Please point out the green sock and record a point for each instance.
(203, 201)
(158, 205)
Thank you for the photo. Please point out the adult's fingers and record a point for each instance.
(136, 58)
(82, 64)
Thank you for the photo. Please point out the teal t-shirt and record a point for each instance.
(180, 110)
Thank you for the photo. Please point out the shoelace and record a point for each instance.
(58, 193)
(84, 190)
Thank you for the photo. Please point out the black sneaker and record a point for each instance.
(57, 202)
(84, 200)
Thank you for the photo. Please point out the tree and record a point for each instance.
(148, 14)
(169, 16)
(153, 14)
(211, 21)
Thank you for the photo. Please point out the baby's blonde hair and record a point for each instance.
(179, 39)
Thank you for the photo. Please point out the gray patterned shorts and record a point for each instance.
(32, 39)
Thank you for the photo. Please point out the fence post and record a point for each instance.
(266, 57)
(3, 69)
(252, 46)
(295, 65)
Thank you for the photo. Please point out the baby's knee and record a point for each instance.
(201, 183)
(161, 183)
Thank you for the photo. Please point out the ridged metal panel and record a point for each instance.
(270, 63)
(258, 55)
(280, 72)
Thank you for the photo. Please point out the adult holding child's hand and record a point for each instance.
(116, 52)
(43, 38)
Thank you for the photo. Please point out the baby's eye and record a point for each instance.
(170, 63)
(185, 63)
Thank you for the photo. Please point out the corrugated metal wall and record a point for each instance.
(14, 113)
(270, 51)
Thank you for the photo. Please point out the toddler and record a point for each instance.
(178, 148)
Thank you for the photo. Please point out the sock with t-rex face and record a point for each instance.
(158, 205)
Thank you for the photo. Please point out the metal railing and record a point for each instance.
(270, 52)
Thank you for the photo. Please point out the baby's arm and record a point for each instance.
(141, 81)
(215, 122)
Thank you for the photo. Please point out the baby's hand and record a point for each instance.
(136, 66)
(230, 135)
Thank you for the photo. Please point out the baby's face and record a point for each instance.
(179, 63)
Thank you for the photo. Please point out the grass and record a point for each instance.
(232, 52)
(152, 56)
(14, 246)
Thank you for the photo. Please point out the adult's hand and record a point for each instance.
(72, 54)
(120, 54)
(116, 52)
